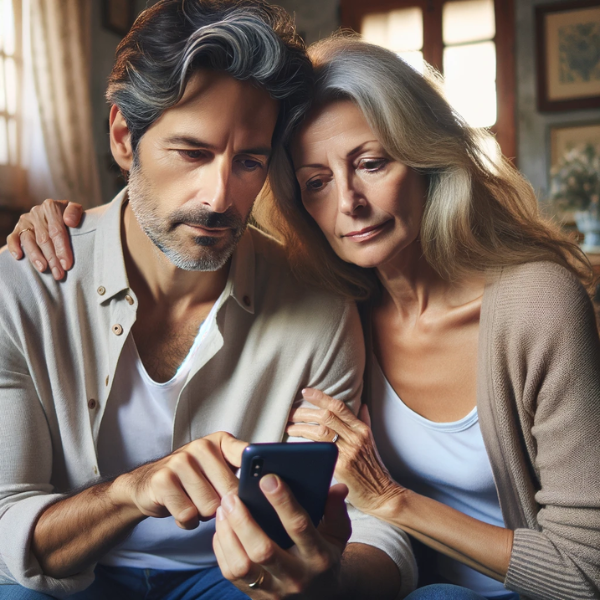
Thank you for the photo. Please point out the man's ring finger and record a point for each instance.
(336, 437)
(259, 580)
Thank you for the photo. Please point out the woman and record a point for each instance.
(479, 431)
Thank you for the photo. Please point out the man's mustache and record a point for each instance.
(230, 219)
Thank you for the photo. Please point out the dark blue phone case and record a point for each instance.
(307, 468)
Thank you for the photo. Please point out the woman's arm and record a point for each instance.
(484, 547)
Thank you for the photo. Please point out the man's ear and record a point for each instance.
(120, 139)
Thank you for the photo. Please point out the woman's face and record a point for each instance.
(368, 205)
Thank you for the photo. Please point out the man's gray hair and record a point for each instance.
(247, 39)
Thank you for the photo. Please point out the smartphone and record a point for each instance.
(307, 469)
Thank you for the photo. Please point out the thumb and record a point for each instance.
(72, 215)
(335, 526)
(232, 449)
(364, 416)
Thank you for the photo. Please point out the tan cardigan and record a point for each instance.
(538, 398)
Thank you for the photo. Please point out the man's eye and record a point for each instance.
(192, 154)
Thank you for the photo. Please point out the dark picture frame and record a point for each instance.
(118, 15)
(568, 59)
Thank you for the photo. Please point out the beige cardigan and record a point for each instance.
(538, 398)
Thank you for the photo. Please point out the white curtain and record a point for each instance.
(59, 84)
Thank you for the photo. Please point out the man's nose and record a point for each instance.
(215, 185)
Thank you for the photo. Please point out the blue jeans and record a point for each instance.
(124, 583)
(445, 591)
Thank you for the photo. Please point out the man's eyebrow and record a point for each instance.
(185, 140)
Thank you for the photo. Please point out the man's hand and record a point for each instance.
(188, 484)
(43, 235)
(246, 555)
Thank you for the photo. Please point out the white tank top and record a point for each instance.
(444, 461)
(137, 427)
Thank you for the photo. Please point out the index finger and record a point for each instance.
(322, 400)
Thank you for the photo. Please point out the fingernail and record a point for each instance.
(269, 483)
(15, 255)
(220, 515)
(56, 273)
(308, 393)
(228, 503)
(40, 265)
(64, 264)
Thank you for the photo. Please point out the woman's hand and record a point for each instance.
(42, 234)
(260, 568)
(359, 465)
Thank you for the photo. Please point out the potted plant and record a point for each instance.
(575, 186)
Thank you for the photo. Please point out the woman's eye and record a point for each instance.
(250, 165)
(314, 185)
(372, 164)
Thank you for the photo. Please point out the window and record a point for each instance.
(9, 84)
(471, 42)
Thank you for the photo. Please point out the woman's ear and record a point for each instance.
(120, 139)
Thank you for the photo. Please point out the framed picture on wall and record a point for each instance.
(565, 137)
(118, 15)
(568, 55)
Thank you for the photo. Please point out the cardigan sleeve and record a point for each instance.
(551, 368)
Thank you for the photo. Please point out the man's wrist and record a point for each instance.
(118, 493)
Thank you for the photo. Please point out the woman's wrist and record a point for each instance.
(393, 505)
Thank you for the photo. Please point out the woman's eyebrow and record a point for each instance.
(348, 154)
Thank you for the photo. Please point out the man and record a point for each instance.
(176, 325)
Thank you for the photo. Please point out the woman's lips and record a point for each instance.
(367, 233)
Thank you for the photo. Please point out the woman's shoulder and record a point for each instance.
(540, 295)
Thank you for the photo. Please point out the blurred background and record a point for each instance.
(527, 69)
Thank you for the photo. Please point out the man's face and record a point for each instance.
(199, 168)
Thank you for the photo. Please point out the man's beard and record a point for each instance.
(167, 236)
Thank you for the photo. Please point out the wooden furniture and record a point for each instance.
(8, 220)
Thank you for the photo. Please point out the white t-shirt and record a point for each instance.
(137, 427)
(444, 461)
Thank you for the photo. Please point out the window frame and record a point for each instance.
(13, 178)
(353, 11)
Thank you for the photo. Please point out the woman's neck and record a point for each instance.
(413, 286)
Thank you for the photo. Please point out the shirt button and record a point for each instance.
(117, 329)
(246, 300)
(129, 299)
(92, 404)
(106, 381)
(101, 290)
(95, 470)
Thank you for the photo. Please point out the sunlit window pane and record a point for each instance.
(3, 142)
(2, 86)
(470, 79)
(414, 59)
(12, 141)
(11, 85)
(7, 27)
(399, 30)
(468, 21)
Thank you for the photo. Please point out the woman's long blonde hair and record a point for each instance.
(479, 214)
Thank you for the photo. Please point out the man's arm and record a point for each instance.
(188, 484)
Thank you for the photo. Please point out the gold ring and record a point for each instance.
(24, 230)
(336, 437)
(258, 581)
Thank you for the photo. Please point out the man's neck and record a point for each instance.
(154, 276)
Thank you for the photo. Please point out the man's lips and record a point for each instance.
(366, 233)
(207, 230)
